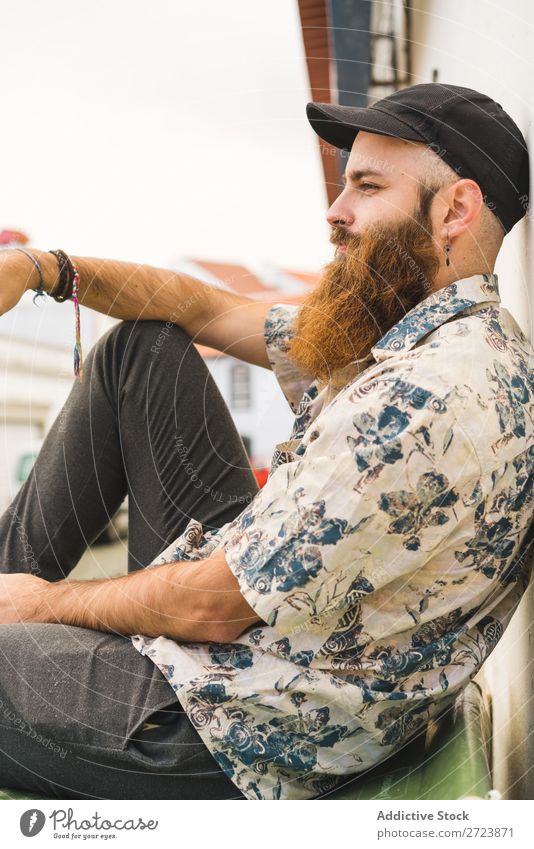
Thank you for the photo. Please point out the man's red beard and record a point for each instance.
(385, 272)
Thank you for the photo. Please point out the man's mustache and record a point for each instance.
(343, 237)
(338, 237)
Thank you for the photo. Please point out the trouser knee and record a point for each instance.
(154, 330)
(152, 340)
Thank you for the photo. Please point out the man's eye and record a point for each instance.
(363, 186)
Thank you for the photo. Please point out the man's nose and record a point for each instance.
(338, 215)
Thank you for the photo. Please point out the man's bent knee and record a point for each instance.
(154, 336)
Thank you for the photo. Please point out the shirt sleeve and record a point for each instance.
(389, 476)
(278, 332)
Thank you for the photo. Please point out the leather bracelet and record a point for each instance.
(63, 291)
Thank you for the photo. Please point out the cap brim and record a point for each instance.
(339, 125)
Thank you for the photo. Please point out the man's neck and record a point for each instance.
(446, 276)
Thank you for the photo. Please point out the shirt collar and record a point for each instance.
(435, 310)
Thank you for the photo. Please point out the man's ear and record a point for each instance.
(464, 202)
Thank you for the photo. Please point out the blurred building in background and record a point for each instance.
(259, 409)
(36, 365)
(36, 341)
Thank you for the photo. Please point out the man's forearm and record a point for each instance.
(183, 600)
(130, 604)
(211, 315)
(131, 291)
(123, 290)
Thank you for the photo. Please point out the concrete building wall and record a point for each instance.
(447, 37)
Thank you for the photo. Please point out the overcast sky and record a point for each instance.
(143, 131)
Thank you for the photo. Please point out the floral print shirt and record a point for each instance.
(385, 553)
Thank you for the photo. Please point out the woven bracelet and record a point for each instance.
(68, 289)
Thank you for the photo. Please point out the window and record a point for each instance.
(240, 387)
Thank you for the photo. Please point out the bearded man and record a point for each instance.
(272, 650)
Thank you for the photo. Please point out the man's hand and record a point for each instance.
(195, 601)
(15, 275)
(18, 275)
(23, 598)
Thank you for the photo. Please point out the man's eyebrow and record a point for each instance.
(354, 176)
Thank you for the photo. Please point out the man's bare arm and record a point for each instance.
(215, 317)
(197, 600)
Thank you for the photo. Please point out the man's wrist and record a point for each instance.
(49, 268)
(66, 602)
(28, 273)
(127, 604)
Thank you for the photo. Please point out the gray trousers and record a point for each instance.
(74, 702)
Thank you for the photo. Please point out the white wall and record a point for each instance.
(488, 47)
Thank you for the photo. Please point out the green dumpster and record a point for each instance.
(451, 759)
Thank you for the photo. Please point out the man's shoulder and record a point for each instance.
(469, 349)
(278, 325)
(491, 328)
(476, 370)
(477, 357)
